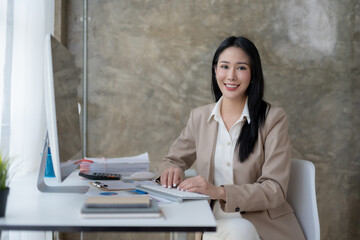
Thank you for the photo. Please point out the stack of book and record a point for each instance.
(120, 207)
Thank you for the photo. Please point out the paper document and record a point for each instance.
(121, 185)
(123, 165)
(118, 188)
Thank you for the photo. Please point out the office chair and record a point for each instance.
(301, 195)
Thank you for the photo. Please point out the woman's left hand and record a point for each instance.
(201, 185)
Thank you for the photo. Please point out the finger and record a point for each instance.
(195, 189)
(177, 178)
(194, 184)
(186, 184)
(164, 178)
(182, 184)
(170, 178)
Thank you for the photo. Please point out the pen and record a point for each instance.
(99, 184)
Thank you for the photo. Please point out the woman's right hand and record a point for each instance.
(171, 177)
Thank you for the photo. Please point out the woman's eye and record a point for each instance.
(224, 67)
(241, 68)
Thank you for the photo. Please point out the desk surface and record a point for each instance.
(29, 209)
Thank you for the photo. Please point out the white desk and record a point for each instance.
(29, 209)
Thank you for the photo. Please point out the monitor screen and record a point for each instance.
(61, 81)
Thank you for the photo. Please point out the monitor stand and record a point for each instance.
(43, 187)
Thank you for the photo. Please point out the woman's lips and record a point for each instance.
(231, 87)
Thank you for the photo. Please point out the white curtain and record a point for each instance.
(23, 28)
(4, 126)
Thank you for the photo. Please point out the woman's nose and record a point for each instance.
(231, 75)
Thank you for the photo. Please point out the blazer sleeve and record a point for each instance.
(182, 152)
(269, 190)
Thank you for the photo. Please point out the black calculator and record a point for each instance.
(99, 175)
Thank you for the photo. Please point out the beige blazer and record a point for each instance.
(260, 183)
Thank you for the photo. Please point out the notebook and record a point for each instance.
(152, 211)
(117, 202)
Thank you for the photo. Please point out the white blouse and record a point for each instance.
(225, 150)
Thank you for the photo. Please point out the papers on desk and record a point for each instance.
(121, 188)
(124, 165)
(120, 185)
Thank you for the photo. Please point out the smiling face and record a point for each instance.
(233, 73)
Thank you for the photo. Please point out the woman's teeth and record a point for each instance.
(231, 86)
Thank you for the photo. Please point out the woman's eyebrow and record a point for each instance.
(236, 63)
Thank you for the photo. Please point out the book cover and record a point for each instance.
(118, 202)
(152, 211)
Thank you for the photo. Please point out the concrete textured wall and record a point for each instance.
(149, 65)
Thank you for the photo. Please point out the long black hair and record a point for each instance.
(255, 92)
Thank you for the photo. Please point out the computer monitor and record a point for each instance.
(61, 80)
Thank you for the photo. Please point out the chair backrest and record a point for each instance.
(301, 195)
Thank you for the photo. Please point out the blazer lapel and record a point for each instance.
(212, 137)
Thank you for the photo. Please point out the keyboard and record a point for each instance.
(171, 194)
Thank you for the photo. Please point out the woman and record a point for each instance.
(242, 151)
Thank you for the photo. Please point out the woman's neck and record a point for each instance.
(231, 110)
